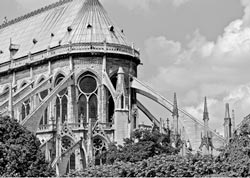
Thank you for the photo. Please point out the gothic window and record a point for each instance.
(114, 80)
(72, 163)
(61, 101)
(42, 96)
(93, 106)
(25, 108)
(87, 99)
(82, 108)
(99, 146)
(122, 102)
(110, 108)
(67, 143)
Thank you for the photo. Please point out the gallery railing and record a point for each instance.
(27, 59)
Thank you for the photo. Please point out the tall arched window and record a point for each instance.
(110, 108)
(114, 80)
(61, 101)
(42, 96)
(87, 99)
(25, 109)
(72, 163)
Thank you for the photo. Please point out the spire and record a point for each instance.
(227, 114)
(175, 107)
(205, 113)
(233, 120)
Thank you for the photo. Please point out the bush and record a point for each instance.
(142, 145)
(234, 161)
(19, 152)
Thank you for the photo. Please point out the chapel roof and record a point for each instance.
(74, 21)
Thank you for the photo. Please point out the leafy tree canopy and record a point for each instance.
(19, 152)
(142, 145)
(234, 161)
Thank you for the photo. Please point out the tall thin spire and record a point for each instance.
(227, 124)
(175, 115)
(175, 107)
(233, 120)
(205, 113)
(227, 114)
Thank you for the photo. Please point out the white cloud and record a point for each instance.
(217, 69)
(178, 3)
(146, 4)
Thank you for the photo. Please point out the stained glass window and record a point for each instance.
(87, 84)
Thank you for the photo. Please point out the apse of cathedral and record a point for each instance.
(69, 75)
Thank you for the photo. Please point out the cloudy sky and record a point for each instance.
(196, 48)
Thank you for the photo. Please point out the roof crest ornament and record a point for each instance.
(38, 11)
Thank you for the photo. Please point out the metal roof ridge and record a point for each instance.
(33, 13)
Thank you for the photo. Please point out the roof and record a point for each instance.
(67, 21)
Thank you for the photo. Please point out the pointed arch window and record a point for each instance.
(87, 99)
(72, 163)
(61, 101)
(122, 101)
(25, 108)
(110, 108)
(42, 96)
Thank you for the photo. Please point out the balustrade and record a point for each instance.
(74, 126)
(70, 48)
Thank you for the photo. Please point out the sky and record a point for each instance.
(195, 48)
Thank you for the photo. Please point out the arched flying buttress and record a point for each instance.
(148, 92)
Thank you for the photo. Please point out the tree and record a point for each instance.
(19, 152)
(234, 160)
(142, 145)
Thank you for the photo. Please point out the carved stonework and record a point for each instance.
(67, 131)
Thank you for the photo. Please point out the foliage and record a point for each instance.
(158, 166)
(19, 152)
(142, 145)
(234, 161)
(235, 158)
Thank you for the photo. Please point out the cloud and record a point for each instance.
(146, 4)
(178, 3)
(218, 69)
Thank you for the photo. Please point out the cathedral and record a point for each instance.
(69, 75)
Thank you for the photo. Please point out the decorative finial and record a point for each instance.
(227, 114)
(205, 113)
(168, 123)
(175, 107)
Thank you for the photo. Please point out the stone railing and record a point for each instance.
(28, 59)
(73, 126)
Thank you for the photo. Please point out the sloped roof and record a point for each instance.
(76, 21)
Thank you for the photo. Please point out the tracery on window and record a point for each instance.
(87, 99)
(99, 146)
(67, 142)
(61, 101)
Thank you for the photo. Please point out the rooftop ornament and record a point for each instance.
(89, 26)
(111, 28)
(34, 41)
(69, 28)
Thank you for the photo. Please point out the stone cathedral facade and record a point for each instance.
(69, 75)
